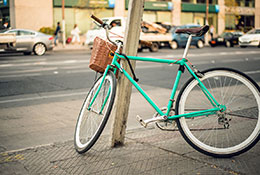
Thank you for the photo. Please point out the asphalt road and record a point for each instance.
(40, 97)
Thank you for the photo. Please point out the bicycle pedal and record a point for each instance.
(141, 121)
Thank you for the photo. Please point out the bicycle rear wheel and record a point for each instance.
(91, 122)
(223, 134)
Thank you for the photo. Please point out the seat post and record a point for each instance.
(187, 46)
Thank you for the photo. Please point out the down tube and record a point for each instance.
(148, 99)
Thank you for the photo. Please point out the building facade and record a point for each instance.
(222, 14)
(28, 14)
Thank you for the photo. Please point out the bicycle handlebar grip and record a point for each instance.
(146, 43)
(97, 19)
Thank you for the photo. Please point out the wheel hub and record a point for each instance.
(224, 119)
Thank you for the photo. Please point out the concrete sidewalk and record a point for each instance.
(146, 151)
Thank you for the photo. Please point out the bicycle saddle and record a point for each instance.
(198, 31)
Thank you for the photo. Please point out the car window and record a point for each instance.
(257, 31)
(254, 31)
(222, 35)
(237, 33)
(228, 35)
(115, 23)
(13, 31)
(181, 27)
(25, 33)
(189, 27)
(173, 28)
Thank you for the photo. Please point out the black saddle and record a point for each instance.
(198, 31)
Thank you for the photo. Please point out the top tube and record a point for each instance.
(180, 62)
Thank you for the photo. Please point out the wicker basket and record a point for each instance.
(101, 55)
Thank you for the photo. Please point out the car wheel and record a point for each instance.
(173, 44)
(27, 53)
(154, 47)
(227, 44)
(39, 49)
(140, 50)
(200, 44)
(212, 45)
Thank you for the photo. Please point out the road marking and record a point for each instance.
(252, 72)
(21, 75)
(79, 71)
(22, 61)
(46, 63)
(30, 71)
(43, 97)
(208, 54)
(11, 158)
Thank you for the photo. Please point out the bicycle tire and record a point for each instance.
(210, 134)
(91, 123)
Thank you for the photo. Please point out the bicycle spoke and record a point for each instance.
(92, 121)
(229, 132)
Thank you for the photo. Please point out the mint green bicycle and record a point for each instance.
(216, 111)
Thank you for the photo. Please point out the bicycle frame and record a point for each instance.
(182, 63)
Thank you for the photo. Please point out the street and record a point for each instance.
(40, 97)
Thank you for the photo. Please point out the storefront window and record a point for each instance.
(230, 22)
(205, 1)
(240, 22)
(201, 1)
(188, 1)
(161, 0)
(4, 17)
(244, 3)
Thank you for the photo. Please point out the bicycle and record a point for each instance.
(216, 111)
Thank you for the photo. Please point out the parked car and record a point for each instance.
(228, 39)
(156, 34)
(251, 38)
(180, 40)
(28, 41)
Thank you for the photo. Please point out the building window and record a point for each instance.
(243, 3)
(201, 1)
(188, 1)
(239, 22)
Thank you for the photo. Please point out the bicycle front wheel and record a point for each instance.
(91, 121)
(225, 134)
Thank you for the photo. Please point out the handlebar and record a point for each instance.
(103, 26)
(97, 19)
(149, 44)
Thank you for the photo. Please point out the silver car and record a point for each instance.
(28, 41)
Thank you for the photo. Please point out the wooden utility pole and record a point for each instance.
(63, 24)
(124, 88)
(207, 12)
(207, 22)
